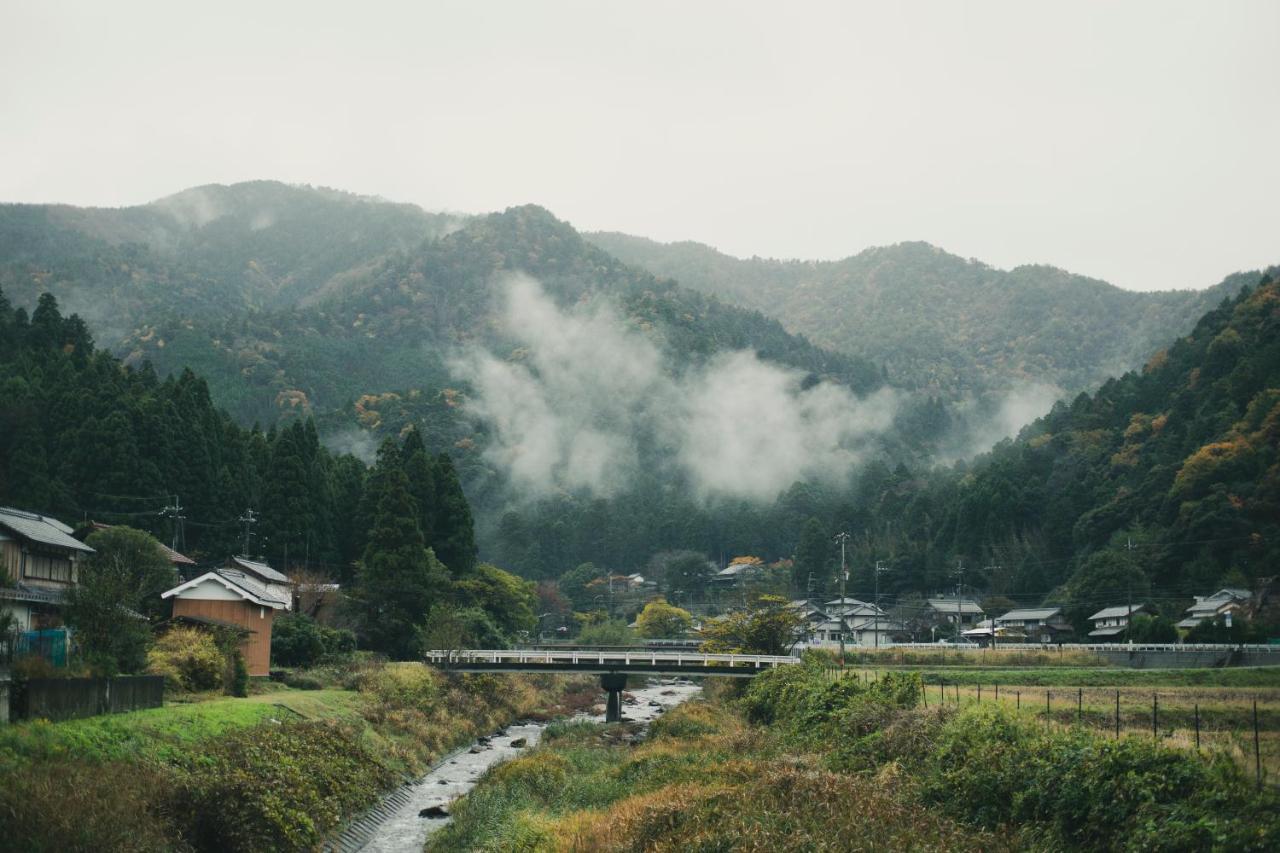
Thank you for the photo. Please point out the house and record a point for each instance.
(983, 633)
(40, 557)
(276, 583)
(852, 608)
(230, 598)
(875, 631)
(951, 609)
(1210, 607)
(1035, 624)
(858, 631)
(737, 573)
(1110, 622)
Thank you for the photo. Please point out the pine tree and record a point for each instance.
(421, 471)
(455, 537)
(399, 579)
(812, 555)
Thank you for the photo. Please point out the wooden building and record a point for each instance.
(40, 558)
(233, 599)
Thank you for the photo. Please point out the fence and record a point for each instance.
(1243, 723)
(73, 698)
(50, 644)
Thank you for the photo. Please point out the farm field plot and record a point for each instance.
(1211, 710)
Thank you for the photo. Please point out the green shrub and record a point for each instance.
(240, 676)
(296, 640)
(188, 658)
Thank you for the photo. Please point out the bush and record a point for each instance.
(240, 676)
(296, 640)
(188, 658)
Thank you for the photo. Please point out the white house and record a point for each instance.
(1222, 602)
(1110, 622)
(1036, 624)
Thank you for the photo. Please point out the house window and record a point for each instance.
(46, 566)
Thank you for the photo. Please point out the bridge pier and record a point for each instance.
(614, 683)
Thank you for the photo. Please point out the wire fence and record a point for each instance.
(1241, 723)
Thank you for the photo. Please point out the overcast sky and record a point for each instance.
(1132, 141)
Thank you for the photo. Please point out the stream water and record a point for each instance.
(400, 825)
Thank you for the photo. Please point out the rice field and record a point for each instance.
(1209, 717)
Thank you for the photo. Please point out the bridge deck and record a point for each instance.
(639, 661)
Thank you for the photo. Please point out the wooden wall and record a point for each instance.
(257, 648)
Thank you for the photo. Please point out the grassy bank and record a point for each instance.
(704, 780)
(799, 761)
(270, 772)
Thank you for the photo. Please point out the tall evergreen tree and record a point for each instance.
(399, 579)
(421, 471)
(813, 555)
(455, 536)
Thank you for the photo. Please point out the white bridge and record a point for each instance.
(639, 661)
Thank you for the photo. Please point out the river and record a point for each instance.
(398, 825)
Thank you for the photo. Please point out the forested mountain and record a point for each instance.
(1167, 479)
(293, 300)
(938, 321)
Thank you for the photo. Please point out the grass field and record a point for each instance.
(1162, 704)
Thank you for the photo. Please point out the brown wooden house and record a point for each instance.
(233, 599)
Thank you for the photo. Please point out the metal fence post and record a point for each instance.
(1155, 713)
(1079, 705)
(1257, 750)
(1117, 713)
(1197, 713)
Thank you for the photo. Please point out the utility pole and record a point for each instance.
(880, 567)
(249, 519)
(842, 538)
(991, 571)
(1128, 586)
(174, 512)
(959, 590)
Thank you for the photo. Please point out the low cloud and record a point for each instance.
(359, 443)
(585, 392)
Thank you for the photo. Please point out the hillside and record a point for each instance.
(299, 300)
(938, 321)
(1169, 476)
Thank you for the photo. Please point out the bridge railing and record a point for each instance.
(622, 657)
(1095, 647)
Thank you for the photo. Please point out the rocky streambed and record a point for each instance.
(402, 822)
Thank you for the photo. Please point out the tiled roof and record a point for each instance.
(248, 587)
(948, 605)
(260, 569)
(1108, 632)
(41, 528)
(1121, 610)
(250, 584)
(1033, 613)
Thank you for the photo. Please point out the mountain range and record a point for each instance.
(938, 321)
